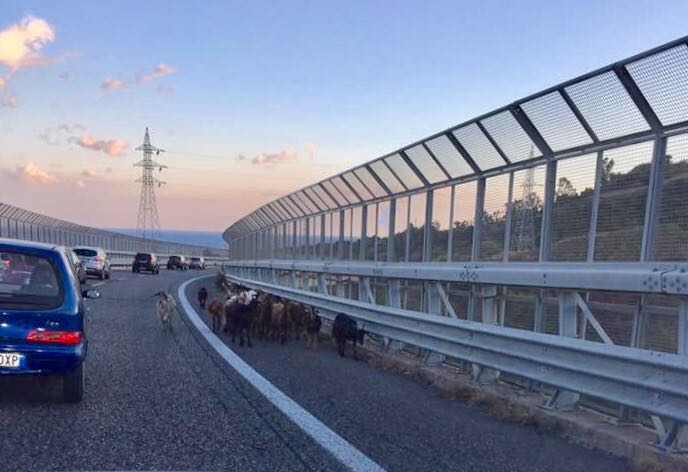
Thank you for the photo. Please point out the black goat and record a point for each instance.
(345, 329)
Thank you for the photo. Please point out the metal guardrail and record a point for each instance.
(650, 381)
(579, 357)
(645, 277)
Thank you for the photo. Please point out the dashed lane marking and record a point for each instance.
(339, 447)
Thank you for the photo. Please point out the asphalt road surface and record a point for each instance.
(161, 401)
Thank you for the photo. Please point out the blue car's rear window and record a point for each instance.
(29, 282)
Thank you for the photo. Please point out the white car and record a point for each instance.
(96, 259)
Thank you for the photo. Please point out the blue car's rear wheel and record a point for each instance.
(73, 385)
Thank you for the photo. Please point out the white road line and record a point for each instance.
(339, 447)
(97, 284)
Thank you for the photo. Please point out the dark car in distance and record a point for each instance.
(177, 262)
(43, 315)
(145, 262)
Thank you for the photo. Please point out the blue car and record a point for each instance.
(42, 323)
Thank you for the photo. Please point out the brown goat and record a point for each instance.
(217, 313)
(280, 321)
(298, 315)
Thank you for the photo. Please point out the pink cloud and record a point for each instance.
(158, 71)
(31, 174)
(90, 173)
(281, 157)
(21, 43)
(112, 84)
(161, 70)
(111, 147)
(9, 101)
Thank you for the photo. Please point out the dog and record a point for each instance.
(165, 307)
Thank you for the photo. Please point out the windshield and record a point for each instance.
(28, 281)
(85, 252)
(143, 257)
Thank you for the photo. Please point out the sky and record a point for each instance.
(252, 100)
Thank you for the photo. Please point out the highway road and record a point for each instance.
(162, 401)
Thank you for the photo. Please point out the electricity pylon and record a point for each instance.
(148, 222)
(524, 213)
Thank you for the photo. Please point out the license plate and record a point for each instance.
(11, 359)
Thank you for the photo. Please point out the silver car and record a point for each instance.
(96, 259)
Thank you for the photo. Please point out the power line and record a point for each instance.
(195, 154)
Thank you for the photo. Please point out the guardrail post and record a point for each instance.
(365, 292)
(672, 436)
(322, 284)
(485, 375)
(563, 400)
(394, 297)
(432, 358)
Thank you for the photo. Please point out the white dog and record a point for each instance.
(165, 308)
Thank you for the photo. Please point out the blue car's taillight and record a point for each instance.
(54, 337)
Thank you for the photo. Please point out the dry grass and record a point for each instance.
(497, 406)
(648, 464)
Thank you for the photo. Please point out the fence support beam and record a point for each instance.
(563, 400)
(481, 374)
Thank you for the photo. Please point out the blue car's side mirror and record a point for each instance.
(90, 294)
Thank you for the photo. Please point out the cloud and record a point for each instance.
(20, 46)
(161, 70)
(64, 76)
(158, 71)
(90, 174)
(112, 84)
(53, 135)
(268, 160)
(21, 43)
(76, 133)
(111, 147)
(9, 101)
(31, 174)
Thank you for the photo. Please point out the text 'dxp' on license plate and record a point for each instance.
(11, 359)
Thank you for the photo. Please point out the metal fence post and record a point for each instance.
(476, 243)
(364, 231)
